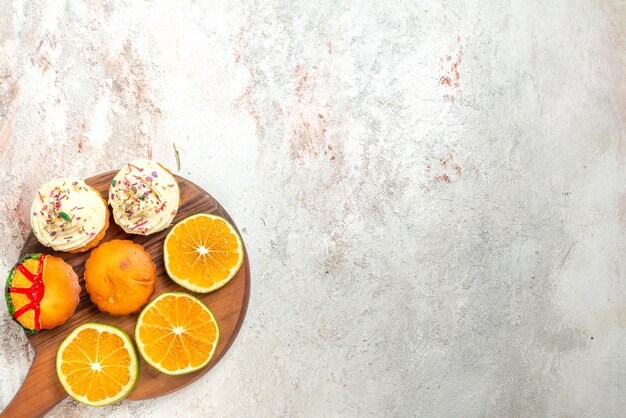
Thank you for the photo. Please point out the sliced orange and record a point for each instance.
(97, 364)
(202, 253)
(176, 333)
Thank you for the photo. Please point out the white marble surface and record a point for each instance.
(432, 193)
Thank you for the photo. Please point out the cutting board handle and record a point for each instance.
(39, 392)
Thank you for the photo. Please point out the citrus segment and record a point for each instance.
(97, 364)
(202, 252)
(176, 333)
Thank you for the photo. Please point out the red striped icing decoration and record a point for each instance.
(34, 293)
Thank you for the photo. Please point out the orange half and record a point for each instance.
(97, 364)
(177, 334)
(202, 253)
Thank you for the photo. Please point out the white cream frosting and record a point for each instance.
(144, 197)
(67, 214)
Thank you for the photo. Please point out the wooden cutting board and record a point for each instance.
(41, 389)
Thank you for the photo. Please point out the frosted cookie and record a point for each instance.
(68, 215)
(42, 292)
(144, 197)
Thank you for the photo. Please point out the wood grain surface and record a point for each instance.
(41, 389)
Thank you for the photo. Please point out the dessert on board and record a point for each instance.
(144, 197)
(42, 292)
(68, 215)
(120, 277)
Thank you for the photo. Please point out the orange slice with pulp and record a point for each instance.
(97, 364)
(202, 253)
(176, 333)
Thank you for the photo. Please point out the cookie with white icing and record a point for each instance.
(68, 215)
(144, 197)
